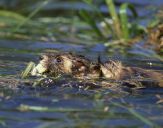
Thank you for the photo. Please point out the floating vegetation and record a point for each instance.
(23, 107)
(32, 70)
(102, 109)
(28, 70)
(137, 115)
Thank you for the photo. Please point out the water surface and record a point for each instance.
(65, 106)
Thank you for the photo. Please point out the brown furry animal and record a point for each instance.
(80, 67)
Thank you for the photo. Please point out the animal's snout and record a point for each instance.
(38, 70)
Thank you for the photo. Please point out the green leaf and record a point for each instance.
(98, 13)
(26, 72)
(137, 115)
(31, 15)
(124, 19)
(86, 16)
(14, 15)
(114, 17)
(88, 1)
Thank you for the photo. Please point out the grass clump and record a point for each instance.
(117, 25)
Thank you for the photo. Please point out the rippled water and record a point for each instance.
(65, 106)
(91, 104)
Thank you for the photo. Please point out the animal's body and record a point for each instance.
(80, 67)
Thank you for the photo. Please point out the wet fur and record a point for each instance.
(81, 67)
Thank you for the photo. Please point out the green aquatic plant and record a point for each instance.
(28, 69)
(11, 14)
(117, 25)
(136, 114)
(15, 25)
(2, 122)
(31, 15)
(19, 19)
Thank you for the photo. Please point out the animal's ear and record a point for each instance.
(99, 59)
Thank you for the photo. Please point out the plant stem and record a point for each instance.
(115, 18)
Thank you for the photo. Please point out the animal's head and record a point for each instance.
(53, 64)
(63, 63)
(111, 69)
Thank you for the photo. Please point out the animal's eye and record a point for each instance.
(58, 60)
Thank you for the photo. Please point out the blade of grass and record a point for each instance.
(97, 11)
(2, 122)
(137, 115)
(124, 19)
(86, 16)
(26, 72)
(88, 1)
(114, 16)
(99, 14)
(140, 117)
(14, 15)
(31, 15)
(23, 107)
